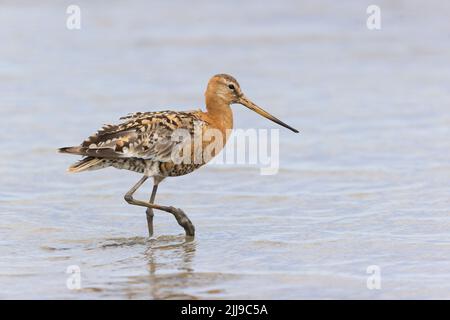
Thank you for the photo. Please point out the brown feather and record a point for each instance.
(85, 164)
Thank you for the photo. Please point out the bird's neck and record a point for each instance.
(219, 112)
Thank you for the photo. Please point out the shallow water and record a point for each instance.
(365, 183)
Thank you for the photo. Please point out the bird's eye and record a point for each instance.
(231, 86)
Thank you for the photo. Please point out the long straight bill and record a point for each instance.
(246, 102)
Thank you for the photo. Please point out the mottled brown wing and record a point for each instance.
(147, 135)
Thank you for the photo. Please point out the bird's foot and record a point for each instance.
(183, 221)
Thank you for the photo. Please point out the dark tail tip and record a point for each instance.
(72, 150)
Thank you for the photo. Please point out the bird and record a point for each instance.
(144, 142)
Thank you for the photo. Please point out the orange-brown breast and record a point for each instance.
(219, 125)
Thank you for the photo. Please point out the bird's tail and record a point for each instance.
(72, 150)
(88, 163)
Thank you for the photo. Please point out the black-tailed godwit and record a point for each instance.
(144, 142)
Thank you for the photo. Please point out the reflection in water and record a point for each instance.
(142, 268)
(180, 250)
(170, 273)
(170, 253)
(168, 260)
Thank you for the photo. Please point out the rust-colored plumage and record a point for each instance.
(144, 142)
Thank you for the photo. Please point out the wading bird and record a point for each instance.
(143, 142)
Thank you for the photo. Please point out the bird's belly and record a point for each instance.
(131, 164)
(182, 169)
(154, 168)
(169, 169)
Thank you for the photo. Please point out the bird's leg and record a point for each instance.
(149, 211)
(129, 194)
(181, 217)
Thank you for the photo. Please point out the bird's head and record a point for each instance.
(225, 88)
